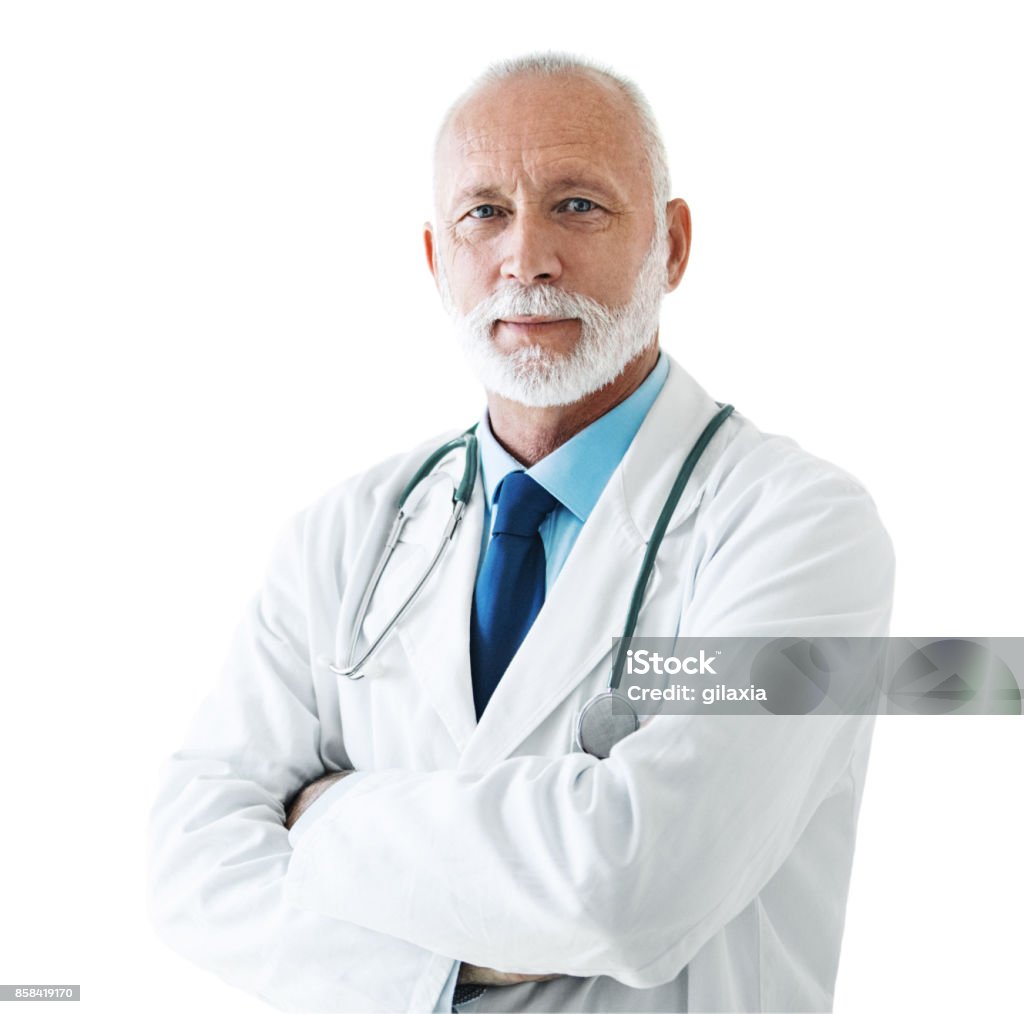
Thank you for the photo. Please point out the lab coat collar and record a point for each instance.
(672, 427)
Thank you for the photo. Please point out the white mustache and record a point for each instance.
(538, 300)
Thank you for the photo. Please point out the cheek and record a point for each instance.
(601, 265)
(471, 276)
(608, 279)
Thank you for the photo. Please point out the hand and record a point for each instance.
(303, 800)
(474, 975)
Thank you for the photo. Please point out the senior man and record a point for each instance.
(429, 834)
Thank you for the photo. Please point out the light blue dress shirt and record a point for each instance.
(575, 474)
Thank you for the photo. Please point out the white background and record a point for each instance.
(214, 305)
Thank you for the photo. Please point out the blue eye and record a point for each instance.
(580, 204)
(485, 211)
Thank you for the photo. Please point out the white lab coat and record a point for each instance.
(703, 866)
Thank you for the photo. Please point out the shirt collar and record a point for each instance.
(577, 472)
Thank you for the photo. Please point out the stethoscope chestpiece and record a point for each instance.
(351, 671)
(605, 719)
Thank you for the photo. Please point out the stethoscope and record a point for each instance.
(608, 716)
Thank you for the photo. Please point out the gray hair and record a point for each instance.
(552, 64)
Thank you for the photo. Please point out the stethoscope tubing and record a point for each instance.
(654, 543)
(355, 669)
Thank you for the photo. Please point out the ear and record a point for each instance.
(431, 250)
(678, 221)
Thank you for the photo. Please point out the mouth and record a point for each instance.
(534, 326)
(534, 319)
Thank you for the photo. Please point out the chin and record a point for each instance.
(537, 377)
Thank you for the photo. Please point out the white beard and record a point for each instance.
(610, 336)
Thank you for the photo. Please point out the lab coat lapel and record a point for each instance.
(434, 633)
(586, 608)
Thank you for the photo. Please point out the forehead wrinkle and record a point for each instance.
(567, 159)
(564, 172)
(522, 147)
(478, 129)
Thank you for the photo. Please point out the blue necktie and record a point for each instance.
(510, 587)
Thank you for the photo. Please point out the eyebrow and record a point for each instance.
(480, 193)
(489, 193)
(584, 183)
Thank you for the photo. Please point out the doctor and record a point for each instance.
(476, 856)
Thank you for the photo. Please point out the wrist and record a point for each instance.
(309, 794)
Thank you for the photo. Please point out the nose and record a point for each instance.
(530, 254)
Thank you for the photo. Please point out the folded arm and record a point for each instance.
(627, 866)
(219, 846)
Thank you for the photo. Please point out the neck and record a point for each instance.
(529, 434)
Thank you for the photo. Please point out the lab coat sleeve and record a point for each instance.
(220, 852)
(322, 802)
(625, 867)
